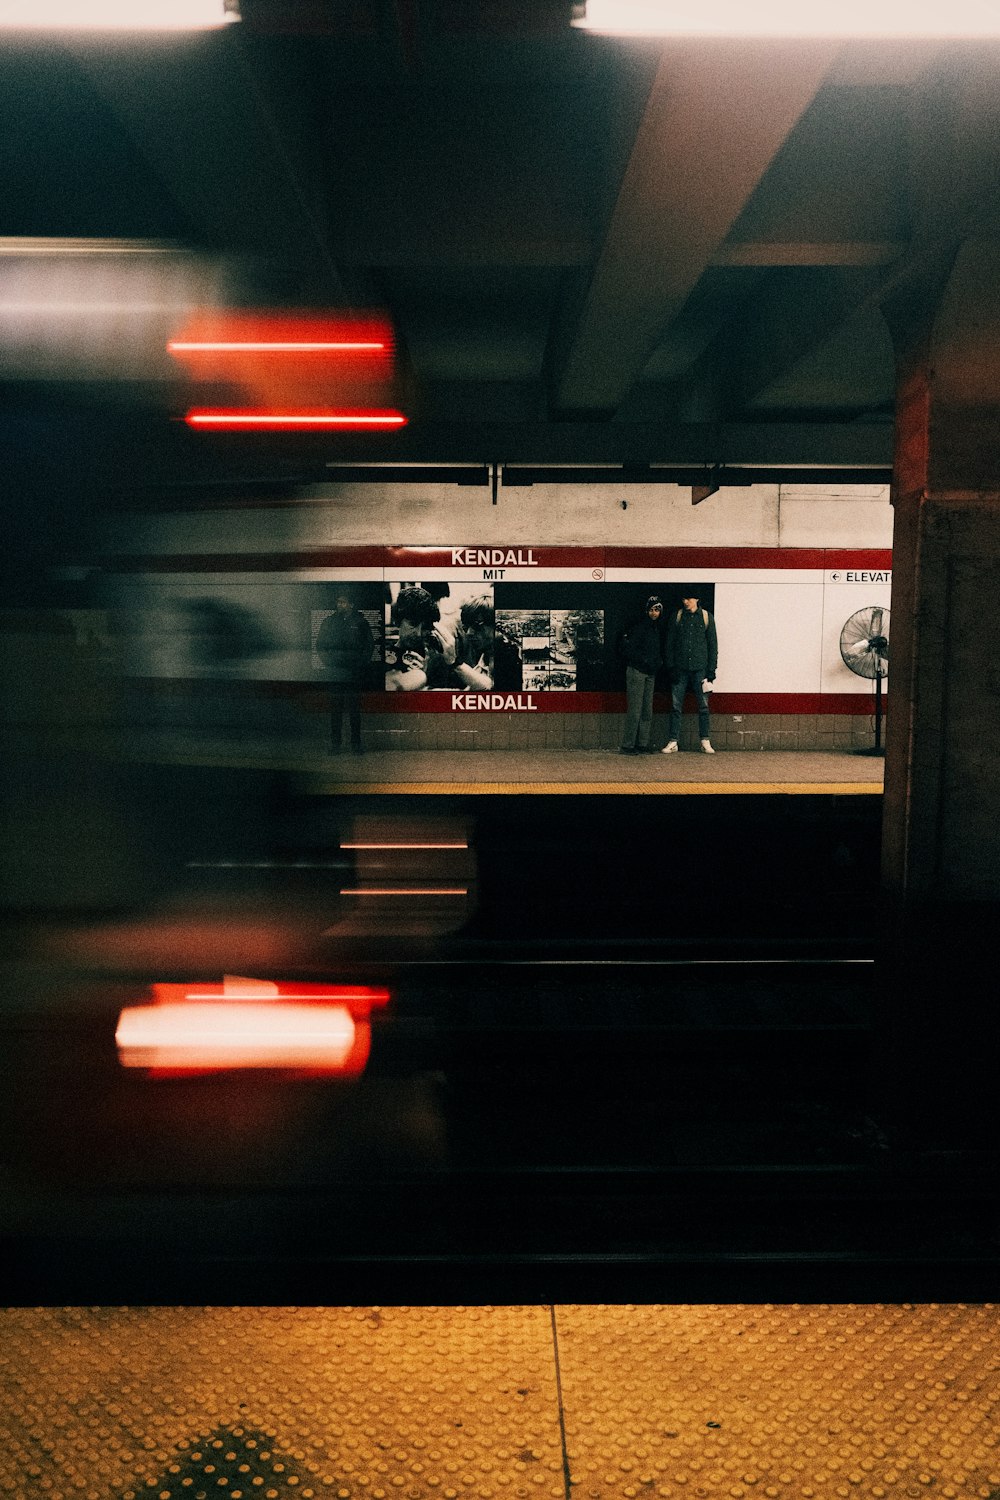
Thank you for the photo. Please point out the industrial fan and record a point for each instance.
(864, 647)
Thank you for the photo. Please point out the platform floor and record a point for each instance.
(503, 1403)
(604, 772)
(838, 772)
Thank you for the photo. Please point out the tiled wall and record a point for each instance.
(546, 731)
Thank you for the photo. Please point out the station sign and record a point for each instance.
(497, 564)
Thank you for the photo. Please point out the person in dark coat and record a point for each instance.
(344, 645)
(641, 645)
(692, 655)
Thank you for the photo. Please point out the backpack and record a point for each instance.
(704, 616)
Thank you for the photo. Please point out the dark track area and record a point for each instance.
(650, 1066)
(554, 870)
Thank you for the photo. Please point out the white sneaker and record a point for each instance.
(706, 745)
(670, 748)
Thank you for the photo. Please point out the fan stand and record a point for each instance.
(878, 748)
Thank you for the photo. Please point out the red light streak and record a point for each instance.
(178, 346)
(288, 371)
(360, 998)
(235, 1034)
(304, 1029)
(268, 332)
(234, 420)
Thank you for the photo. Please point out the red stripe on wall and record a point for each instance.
(794, 703)
(439, 701)
(316, 695)
(872, 559)
(252, 562)
(412, 559)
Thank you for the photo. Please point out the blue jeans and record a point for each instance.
(688, 682)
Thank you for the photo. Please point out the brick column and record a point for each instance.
(941, 833)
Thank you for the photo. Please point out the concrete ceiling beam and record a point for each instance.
(717, 115)
(786, 323)
(198, 112)
(808, 253)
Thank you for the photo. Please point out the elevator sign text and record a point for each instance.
(861, 575)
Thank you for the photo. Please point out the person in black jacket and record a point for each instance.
(344, 646)
(692, 655)
(641, 645)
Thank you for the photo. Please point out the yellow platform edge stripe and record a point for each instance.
(597, 788)
(324, 782)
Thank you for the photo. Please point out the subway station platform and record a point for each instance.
(552, 771)
(501, 1403)
(604, 772)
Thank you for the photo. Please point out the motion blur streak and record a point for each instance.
(265, 421)
(360, 998)
(401, 891)
(418, 868)
(288, 370)
(61, 245)
(311, 1029)
(116, 15)
(790, 18)
(104, 309)
(178, 346)
(234, 1034)
(404, 846)
(265, 333)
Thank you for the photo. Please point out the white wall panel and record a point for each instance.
(822, 520)
(769, 637)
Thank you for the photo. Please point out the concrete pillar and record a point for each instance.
(941, 843)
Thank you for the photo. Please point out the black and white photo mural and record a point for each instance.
(545, 650)
(439, 634)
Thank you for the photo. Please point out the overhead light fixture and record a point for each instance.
(117, 15)
(835, 19)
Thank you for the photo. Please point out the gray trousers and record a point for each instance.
(639, 709)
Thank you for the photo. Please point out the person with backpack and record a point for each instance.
(692, 655)
(641, 645)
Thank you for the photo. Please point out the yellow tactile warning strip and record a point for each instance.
(608, 1403)
(320, 785)
(818, 1402)
(187, 1404)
